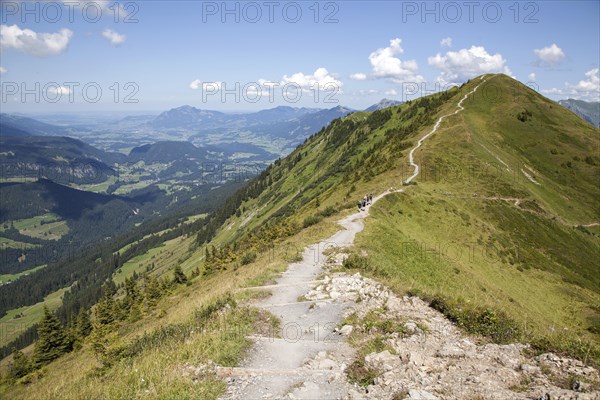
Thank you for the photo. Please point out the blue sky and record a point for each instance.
(357, 52)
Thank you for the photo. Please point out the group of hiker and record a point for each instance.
(368, 199)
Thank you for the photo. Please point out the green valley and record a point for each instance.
(498, 224)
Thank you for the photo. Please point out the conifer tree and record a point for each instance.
(152, 291)
(20, 365)
(178, 275)
(52, 340)
(84, 325)
(132, 294)
(105, 308)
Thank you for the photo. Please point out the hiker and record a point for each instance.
(371, 198)
(359, 208)
(364, 202)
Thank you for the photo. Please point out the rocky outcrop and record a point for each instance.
(429, 358)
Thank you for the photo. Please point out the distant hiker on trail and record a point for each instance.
(359, 206)
(371, 198)
(364, 202)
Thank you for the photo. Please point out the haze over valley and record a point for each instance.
(283, 200)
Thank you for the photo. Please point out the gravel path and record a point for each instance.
(431, 360)
(298, 364)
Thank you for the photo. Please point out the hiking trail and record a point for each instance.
(310, 357)
(435, 128)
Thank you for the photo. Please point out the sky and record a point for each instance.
(84, 56)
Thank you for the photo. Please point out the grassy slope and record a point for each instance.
(76, 376)
(52, 228)
(454, 235)
(540, 270)
(474, 244)
(11, 327)
(13, 277)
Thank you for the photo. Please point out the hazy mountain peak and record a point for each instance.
(383, 103)
(588, 110)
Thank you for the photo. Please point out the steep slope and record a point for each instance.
(491, 233)
(63, 159)
(504, 213)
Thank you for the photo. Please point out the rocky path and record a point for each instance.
(297, 363)
(427, 357)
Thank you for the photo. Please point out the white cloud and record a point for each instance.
(585, 89)
(59, 90)
(359, 76)
(446, 42)
(195, 84)
(3, 70)
(34, 43)
(206, 86)
(254, 91)
(549, 55)
(531, 77)
(391, 92)
(267, 83)
(321, 79)
(591, 84)
(385, 65)
(113, 37)
(467, 63)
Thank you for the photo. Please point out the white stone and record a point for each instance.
(415, 394)
(327, 364)
(346, 330)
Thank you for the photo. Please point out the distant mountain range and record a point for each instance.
(384, 103)
(62, 159)
(268, 134)
(299, 128)
(589, 111)
(14, 125)
(188, 117)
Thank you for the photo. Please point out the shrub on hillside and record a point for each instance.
(328, 212)
(524, 115)
(313, 219)
(248, 258)
(479, 320)
(355, 261)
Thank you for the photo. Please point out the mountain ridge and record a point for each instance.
(589, 111)
(383, 103)
(476, 235)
